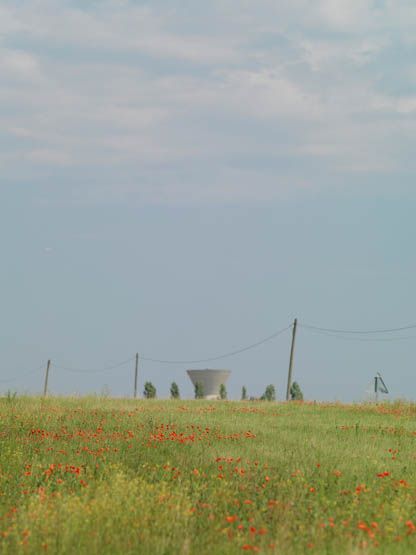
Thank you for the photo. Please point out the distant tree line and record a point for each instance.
(268, 395)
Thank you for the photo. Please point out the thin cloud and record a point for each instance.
(166, 104)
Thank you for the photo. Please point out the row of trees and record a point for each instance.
(268, 395)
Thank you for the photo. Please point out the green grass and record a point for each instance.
(164, 477)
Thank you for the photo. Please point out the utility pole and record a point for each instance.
(376, 387)
(136, 372)
(292, 354)
(45, 388)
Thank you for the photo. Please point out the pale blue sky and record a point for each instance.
(181, 179)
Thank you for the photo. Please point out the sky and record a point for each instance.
(183, 179)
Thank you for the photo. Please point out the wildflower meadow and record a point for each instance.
(93, 475)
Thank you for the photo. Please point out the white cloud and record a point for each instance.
(121, 88)
(15, 63)
(49, 157)
(9, 22)
(347, 14)
(268, 94)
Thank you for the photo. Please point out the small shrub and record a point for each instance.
(149, 390)
(174, 391)
(269, 394)
(223, 392)
(296, 392)
(199, 390)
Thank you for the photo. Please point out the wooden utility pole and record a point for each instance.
(45, 388)
(292, 354)
(136, 372)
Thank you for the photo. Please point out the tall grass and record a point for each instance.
(164, 477)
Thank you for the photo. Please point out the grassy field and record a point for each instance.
(163, 477)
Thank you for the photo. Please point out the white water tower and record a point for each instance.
(210, 381)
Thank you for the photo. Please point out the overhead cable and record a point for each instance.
(22, 375)
(359, 332)
(360, 338)
(93, 370)
(219, 357)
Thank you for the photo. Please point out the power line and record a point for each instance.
(22, 375)
(93, 370)
(358, 332)
(163, 361)
(343, 334)
(361, 339)
(219, 357)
